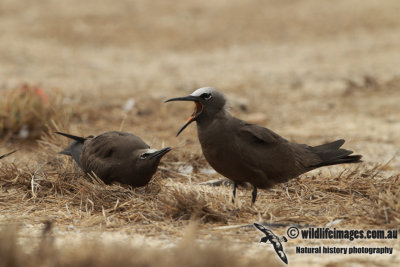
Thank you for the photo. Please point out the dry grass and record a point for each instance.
(361, 195)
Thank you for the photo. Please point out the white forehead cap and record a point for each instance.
(150, 150)
(203, 90)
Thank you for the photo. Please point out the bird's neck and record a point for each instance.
(208, 118)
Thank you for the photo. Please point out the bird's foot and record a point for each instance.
(234, 192)
(253, 195)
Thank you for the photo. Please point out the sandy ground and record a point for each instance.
(310, 70)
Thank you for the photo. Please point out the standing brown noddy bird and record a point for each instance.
(115, 156)
(245, 152)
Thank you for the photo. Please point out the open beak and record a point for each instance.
(197, 109)
(159, 153)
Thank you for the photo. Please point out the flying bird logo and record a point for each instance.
(275, 241)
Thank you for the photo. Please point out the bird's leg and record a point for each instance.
(234, 191)
(253, 195)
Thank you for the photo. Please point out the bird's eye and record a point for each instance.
(206, 96)
(144, 155)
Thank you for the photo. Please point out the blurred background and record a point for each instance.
(158, 45)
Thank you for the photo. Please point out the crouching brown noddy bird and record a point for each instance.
(115, 156)
(245, 152)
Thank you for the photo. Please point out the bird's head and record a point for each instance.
(147, 160)
(208, 101)
(143, 165)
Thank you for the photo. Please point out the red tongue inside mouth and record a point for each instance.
(197, 109)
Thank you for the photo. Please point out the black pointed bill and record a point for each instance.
(197, 110)
(73, 137)
(8, 154)
(160, 153)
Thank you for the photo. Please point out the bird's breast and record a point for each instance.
(219, 148)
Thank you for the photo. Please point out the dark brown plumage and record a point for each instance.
(245, 152)
(116, 156)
